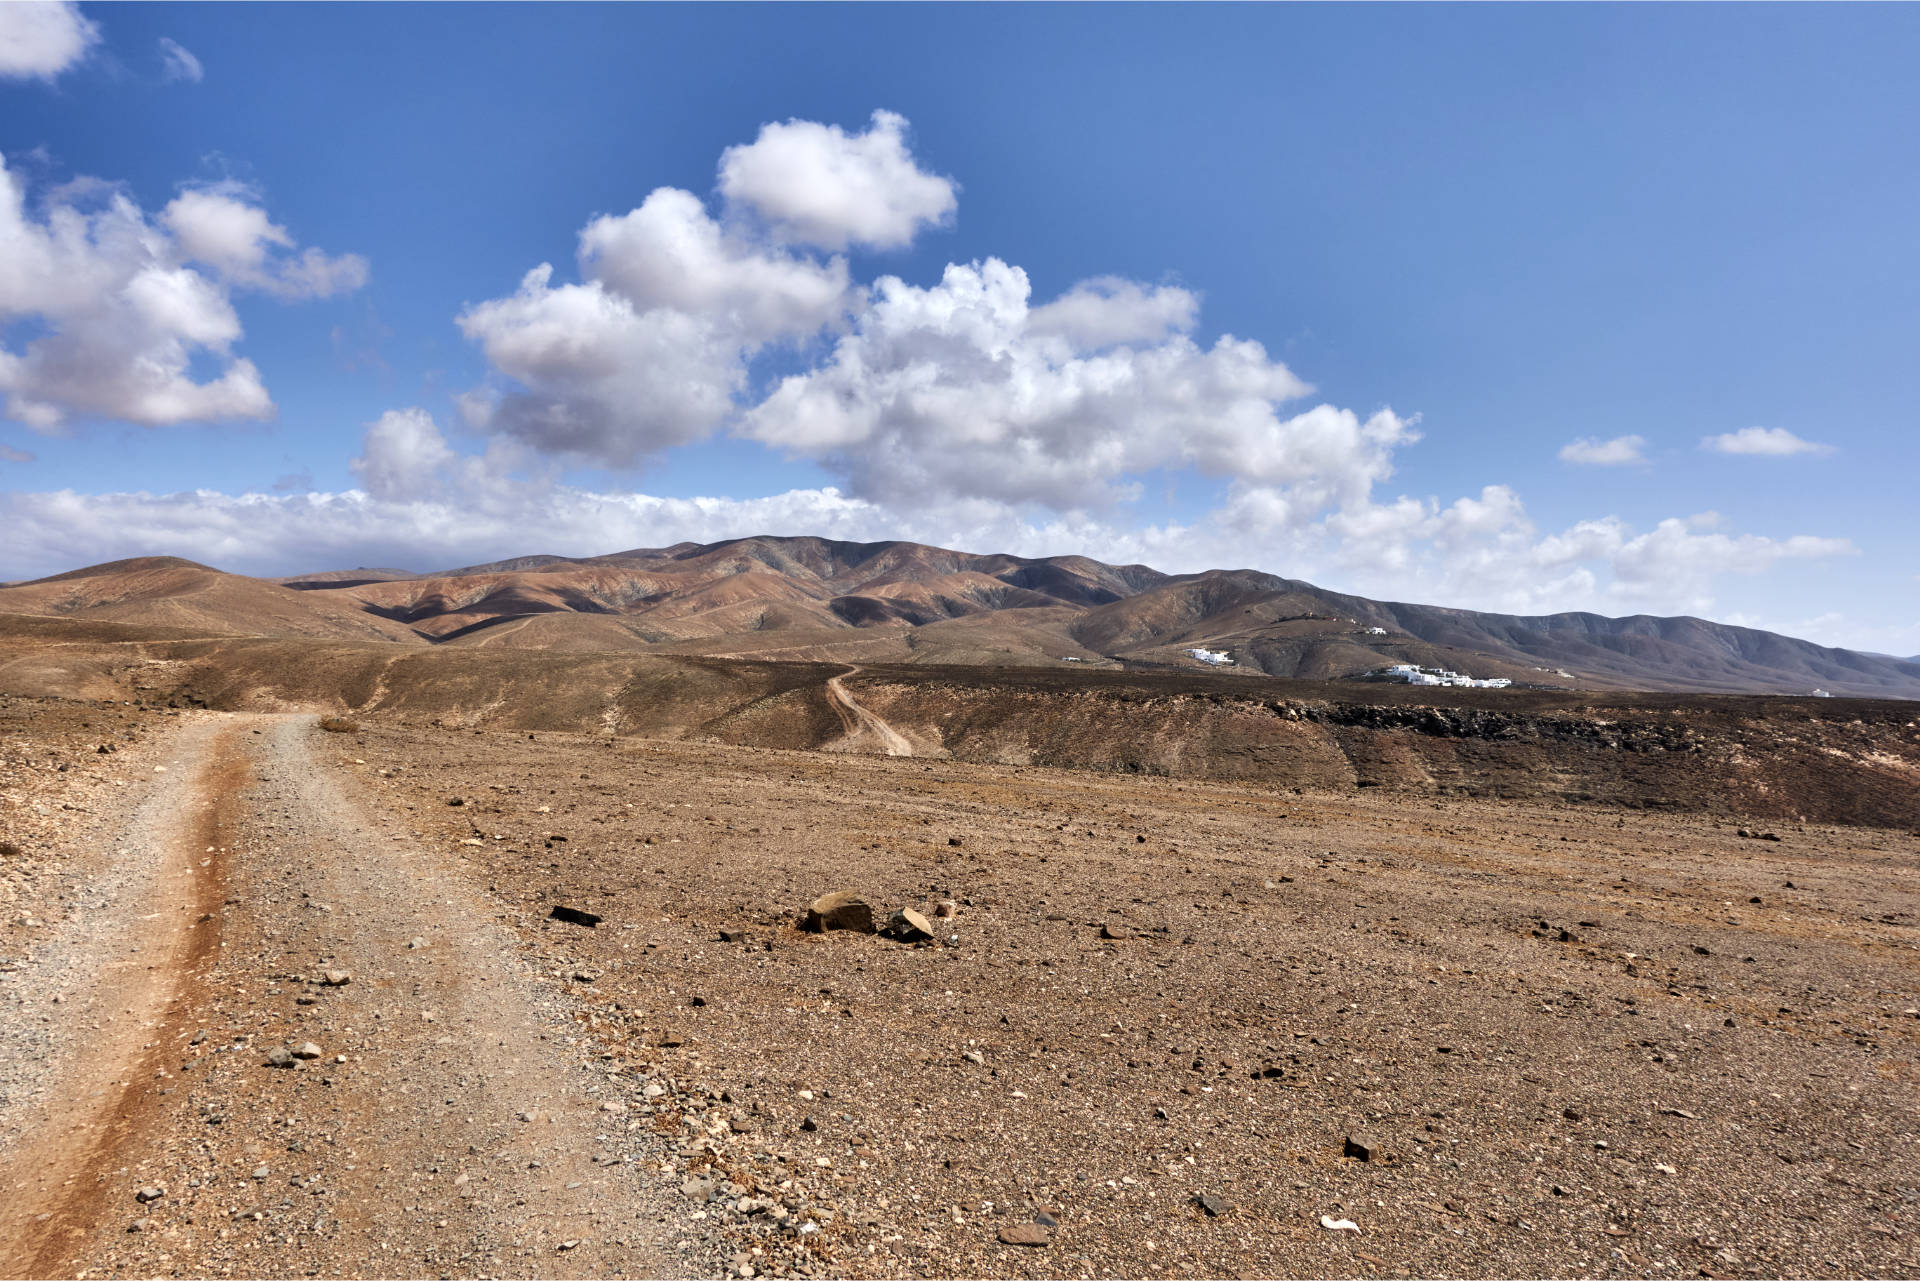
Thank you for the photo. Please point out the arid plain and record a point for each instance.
(1219, 975)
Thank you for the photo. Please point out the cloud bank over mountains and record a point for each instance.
(964, 412)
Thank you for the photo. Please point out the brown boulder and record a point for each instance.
(840, 910)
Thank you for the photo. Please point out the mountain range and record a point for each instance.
(801, 598)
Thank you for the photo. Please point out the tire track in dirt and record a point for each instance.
(446, 1128)
(861, 723)
(97, 1094)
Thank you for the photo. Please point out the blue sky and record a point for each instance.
(1482, 235)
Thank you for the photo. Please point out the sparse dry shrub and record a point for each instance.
(339, 725)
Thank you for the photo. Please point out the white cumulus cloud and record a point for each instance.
(1764, 442)
(40, 38)
(222, 228)
(587, 372)
(120, 306)
(1111, 312)
(178, 63)
(651, 349)
(670, 255)
(402, 457)
(1590, 451)
(817, 184)
(954, 390)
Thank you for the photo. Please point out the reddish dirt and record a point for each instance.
(58, 1182)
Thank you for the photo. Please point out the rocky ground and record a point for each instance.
(1166, 1028)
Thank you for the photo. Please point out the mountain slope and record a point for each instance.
(824, 600)
(166, 591)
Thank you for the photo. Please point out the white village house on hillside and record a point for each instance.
(1413, 675)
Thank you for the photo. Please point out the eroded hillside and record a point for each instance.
(1776, 759)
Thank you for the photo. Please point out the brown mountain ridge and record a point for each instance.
(815, 599)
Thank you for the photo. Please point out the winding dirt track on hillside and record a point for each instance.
(862, 725)
(444, 1128)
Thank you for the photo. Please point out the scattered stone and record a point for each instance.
(946, 909)
(1029, 1234)
(733, 936)
(1111, 930)
(809, 1124)
(569, 1244)
(152, 1192)
(1664, 1168)
(1213, 1205)
(336, 978)
(955, 841)
(280, 1057)
(1573, 1114)
(1046, 1219)
(1332, 1224)
(975, 1057)
(260, 1172)
(456, 801)
(306, 1050)
(138, 1225)
(574, 916)
(840, 910)
(908, 926)
(1363, 1148)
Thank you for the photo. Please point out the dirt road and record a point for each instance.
(115, 979)
(447, 1122)
(865, 730)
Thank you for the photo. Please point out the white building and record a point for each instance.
(1441, 676)
(1214, 656)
